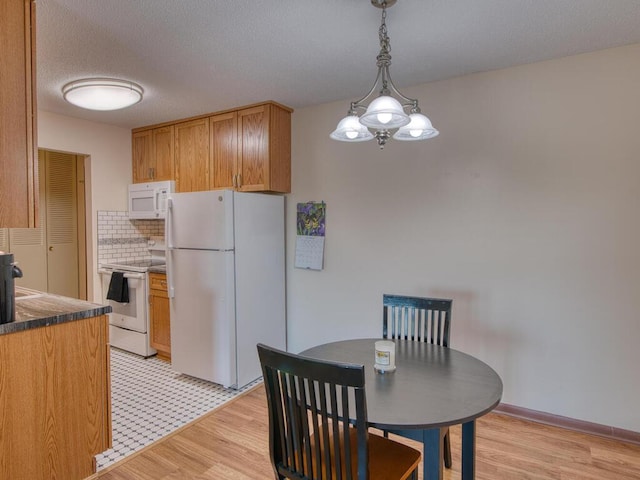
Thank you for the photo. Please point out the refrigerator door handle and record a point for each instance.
(169, 239)
(169, 261)
(170, 248)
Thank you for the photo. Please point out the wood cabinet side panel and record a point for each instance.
(280, 150)
(18, 186)
(54, 401)
(33, 179)
(192, 156)
(107, 431)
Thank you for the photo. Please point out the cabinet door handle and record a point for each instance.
(239, 180)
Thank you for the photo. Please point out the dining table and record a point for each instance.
(432, 387)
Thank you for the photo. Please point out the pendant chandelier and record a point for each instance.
(390, 113)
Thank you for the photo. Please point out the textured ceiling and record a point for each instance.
(200, 56)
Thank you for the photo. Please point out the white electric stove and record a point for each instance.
(129, 322)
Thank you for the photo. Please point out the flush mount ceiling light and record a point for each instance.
(102, 93)
(384, 116)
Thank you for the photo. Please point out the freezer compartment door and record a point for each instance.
(202, 313)
(200, 220)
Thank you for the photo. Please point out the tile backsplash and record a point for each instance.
(121, 239)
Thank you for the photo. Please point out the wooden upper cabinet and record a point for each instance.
(192, 155)
(141, 156)
(18, 158)
(153, 154)
(248, 149)
(224, 150)
(164, 151)
(264, 149)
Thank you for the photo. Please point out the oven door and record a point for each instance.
(132, 315)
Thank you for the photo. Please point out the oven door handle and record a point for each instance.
(138, 276)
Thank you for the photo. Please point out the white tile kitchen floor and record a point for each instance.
(149, 400)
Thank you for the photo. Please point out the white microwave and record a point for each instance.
(149, 200)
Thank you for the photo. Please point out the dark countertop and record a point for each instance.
(158, 269)
(37, 309)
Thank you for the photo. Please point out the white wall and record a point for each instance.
(524, 211)
(108, 170)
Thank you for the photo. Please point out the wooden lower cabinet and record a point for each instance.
(159, 315)
(55, 409)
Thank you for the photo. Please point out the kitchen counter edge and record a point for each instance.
(45, 309)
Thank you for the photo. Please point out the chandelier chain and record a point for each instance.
(385, 45)
(384, 57)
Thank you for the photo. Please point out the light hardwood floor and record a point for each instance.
(232, 443)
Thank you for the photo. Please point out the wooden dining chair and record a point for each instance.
(310, 405)
(423, 320)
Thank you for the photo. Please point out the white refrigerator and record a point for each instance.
(226, 282)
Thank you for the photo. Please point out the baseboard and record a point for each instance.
(613, 433)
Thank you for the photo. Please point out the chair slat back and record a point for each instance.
(309, 411)
(416, 318)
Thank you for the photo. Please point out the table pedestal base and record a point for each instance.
(433, 443)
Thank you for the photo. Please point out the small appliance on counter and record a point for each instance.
(8, 272)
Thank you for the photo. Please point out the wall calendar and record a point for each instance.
(310, 229)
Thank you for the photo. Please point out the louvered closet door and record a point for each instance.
(4, 240)
(28, 245)
(62, 237)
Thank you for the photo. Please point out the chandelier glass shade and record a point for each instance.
(419, 128)
(102, 93)
(351, 130)
(384, 112)
(390, 113)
